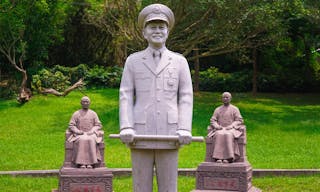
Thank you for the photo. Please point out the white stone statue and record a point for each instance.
(156, 99)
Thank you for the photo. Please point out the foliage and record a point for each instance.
(48, 79)
(28, 28)
(60, 77)
(99, 76)
(213, 80)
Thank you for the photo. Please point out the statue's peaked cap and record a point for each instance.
(156, 12)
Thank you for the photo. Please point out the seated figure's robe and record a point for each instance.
(225, 146)
(85, 150)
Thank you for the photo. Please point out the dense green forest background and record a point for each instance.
(238, 46)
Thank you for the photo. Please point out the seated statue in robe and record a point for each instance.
(86, 130)
(226, 125)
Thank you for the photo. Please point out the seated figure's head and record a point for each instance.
(85, 102)
(226, 98)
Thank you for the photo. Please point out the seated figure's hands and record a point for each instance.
(185, 137)
(229, 127)
(90, 133)
(219, 127)
(78, 132)
(127, 135)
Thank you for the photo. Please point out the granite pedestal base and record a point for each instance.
(221, 177)
(85, 180)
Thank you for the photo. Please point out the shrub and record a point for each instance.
(60, 77)
(213, 80)
(50, 79)
(100, 76)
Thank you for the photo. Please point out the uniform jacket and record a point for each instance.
(156, 100)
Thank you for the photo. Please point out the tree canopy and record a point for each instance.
(268, 42)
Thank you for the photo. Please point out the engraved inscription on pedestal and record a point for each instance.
(221, 183)
(87, 187)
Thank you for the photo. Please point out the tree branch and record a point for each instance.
(52, 91)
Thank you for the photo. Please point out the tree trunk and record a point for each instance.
(255, 72)
(24, 92)
(196, 71)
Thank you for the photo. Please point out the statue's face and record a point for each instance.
(85, 103)
(156, 33)
(226, 98)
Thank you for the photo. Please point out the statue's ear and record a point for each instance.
(143, 33)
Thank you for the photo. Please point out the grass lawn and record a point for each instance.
(283, 130)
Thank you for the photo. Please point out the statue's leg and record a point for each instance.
(223, 146)
(167, 169)
(229, 146)
(142, 169)
(86, 151)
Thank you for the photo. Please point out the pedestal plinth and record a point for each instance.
(224, 177)
(85, 180)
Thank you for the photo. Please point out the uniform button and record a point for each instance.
(158, 100)
(158, 112)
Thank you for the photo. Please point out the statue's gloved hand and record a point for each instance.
(185, 137)
(127, 135)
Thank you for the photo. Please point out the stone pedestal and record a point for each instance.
(224, 177)
(85, 180)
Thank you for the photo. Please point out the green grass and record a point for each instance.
(283, 130)
(185, 184)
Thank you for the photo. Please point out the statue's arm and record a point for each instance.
(238, 120)
(214, 123)
(185, 97)
(185, 105)
(126, 100)
(97, 127)
(73, 125)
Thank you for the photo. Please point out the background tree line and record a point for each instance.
(247, 45)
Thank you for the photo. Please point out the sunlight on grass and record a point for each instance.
(283, 131)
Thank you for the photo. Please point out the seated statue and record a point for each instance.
(86, 134)
(226, 126)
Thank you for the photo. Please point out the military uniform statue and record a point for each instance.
(156, 98)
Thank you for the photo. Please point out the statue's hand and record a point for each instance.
(185, 137)
(229, 127)
(79, 132)
(219, 127)
(127, 135)
(90, 133)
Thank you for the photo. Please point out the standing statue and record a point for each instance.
(86, 133)
(156, 99)
(226, 125)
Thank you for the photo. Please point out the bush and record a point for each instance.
(213, 80)
(50, 79)
(100, 76)
(60, 77)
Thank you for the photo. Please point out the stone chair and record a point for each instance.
(69, 153)
(242, 140)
